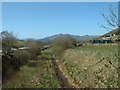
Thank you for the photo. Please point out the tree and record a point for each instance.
(112, 19)
(8, 41)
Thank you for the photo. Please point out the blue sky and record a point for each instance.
(42, 19)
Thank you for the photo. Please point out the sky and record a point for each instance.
(42, 19)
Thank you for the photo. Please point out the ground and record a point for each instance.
(88, 66)
(38, 73)
(92, 66)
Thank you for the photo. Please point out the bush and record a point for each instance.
(35, 49)
(11, 62)
(9, 65)
(22, 57)
(8, 41)
(60, 45)
(33, 64)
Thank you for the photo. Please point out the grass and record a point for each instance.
(89, 66)
(21, 43)
(116, 37)
(85, 67)
(36, 74)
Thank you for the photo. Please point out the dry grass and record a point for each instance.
(37, 74)
(62, 44)
(89, 66)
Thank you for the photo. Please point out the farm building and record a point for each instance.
(101, 41)
(109, 37)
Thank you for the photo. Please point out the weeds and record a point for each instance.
(62, 44)
(94, 66)
(36, 74)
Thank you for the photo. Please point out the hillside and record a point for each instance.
(116, 31)
(79, 38)
(91, 66)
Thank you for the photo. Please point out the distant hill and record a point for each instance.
(78, 38)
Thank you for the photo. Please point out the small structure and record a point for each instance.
(101, 41)
(13, 49)
(0, 50)
(23, 48)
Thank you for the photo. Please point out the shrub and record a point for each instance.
(60, 45)
(8, 41)
(9, 65)
(22, 56)
(33, 64)
(35, 49)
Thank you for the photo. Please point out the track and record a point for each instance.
(60, 75)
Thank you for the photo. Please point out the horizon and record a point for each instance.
(44, 19)
(54, 35)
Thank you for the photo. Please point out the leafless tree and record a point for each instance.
(112, 19)
(8, 41)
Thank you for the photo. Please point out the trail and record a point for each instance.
(41, 73)
(60, 75)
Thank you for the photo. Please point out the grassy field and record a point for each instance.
(38, 73)
(88, 66)
(21, 43)
(92, 66)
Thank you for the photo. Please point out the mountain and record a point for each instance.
(78, 38)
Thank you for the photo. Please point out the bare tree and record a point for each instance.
(112, 19)
(113, 22)
(8, 41)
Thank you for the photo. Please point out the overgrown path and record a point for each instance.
(37, 74)
(61, 76)
(40, 73)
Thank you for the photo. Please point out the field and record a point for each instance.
(21, 43)
(93, 66)
(88, 66)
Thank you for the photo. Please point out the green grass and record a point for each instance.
(24, 43)
(101, 51)
(46, 54)
(90, 65)
(21, 43)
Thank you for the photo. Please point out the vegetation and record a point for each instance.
(85, 66)
(112, 19)
(35, 67)
(21, 44)
(8, 41)
(13, 60)
(91, 66)
(62, 44)
(38, 73)
(22, 57)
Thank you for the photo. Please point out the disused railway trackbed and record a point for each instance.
(60, 76)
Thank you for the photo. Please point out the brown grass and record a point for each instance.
(90, 69)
